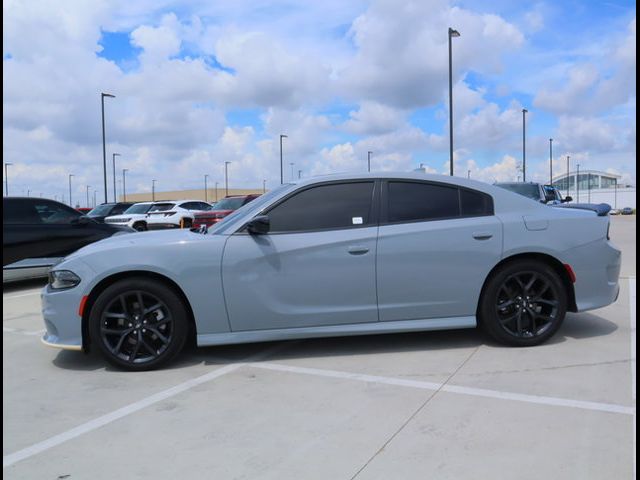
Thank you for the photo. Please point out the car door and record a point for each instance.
(436, 245)
(315, 267)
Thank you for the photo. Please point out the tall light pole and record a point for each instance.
(153, 190)
(567, 175)
(588, 187)
(94, 197)
(226, 179)
(551, 161)
(70, 202)
(88, 187)
(468, 173)
(578, 184)
(28, 192)
(104, 144)
(124, 184)
(264, 186)
(6, 179)
(281, 167)
(452, 33)
(524, 146)
(299, 174)
(205, 187)
(216, 191)
(115, 196)
(292, 164)
(369, 161)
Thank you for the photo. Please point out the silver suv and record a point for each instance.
(547, 194)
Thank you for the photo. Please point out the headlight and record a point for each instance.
(63, 279)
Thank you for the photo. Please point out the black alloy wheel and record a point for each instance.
(139, 324)
(523, 304)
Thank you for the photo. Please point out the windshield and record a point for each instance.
(256, 204)
(229, 203)
(100, 211)
(139, 208)
(161, 207)
(525, 189)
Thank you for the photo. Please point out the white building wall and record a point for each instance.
(625, 197)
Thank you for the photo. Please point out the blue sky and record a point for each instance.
(200, 83)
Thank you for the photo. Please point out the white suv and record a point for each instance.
(135, 216)
(174, 214)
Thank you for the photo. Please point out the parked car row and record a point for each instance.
(38, 233)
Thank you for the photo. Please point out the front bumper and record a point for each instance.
(61, 319)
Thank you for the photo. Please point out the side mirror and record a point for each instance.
(567, 199)
(259, 225)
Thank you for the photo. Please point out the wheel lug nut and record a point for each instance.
(131, 324)
(144, 330)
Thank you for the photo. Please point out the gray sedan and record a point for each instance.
(338, 255)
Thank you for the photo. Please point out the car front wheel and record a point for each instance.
(139, 324)
(523, 303)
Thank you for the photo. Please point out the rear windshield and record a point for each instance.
(524, 189)
(229, 203)
(161, 207)
(139, 208)
(100, 211)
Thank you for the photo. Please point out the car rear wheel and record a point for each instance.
(140, 226)
(139, 324)
(523, 303)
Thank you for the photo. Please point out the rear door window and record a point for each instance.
(416, 201)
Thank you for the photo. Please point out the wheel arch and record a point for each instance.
(111, 279)
(545, 258)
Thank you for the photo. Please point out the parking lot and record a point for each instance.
(429, 405)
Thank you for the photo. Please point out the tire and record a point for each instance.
(135, 338)
(523, 303)
(140, 226)
(186, 223)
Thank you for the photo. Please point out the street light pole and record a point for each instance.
(568, 176)
(124, 184)
(292, 164)
(264, 186)
(299, 173)
(6, 179)
(88, 187)
(524, 146)
(468, 173)
(226, 179)
(369, 161)
(153, 190)
(94, 197)
(578, 184)
(281, 167)
(104, 145)
(452, 33)
(70, 202)
(115, 196)
(551, 161)
(216, 191)
(205, 187)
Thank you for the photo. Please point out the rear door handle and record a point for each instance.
(482, 235)
(358, 250)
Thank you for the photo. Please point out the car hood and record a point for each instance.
(139, 239)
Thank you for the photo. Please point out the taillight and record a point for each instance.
(570, 272)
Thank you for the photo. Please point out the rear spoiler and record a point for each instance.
(601, 209)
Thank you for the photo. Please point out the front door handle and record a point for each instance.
(482, 235)
(358, 250)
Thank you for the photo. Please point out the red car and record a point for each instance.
(83, 210)
(221, 209)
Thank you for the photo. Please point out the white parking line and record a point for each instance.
(91, 425)
(23, 332)
(477, 392)
(27, 452)
(20, 295)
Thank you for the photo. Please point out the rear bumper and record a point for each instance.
(597, 269)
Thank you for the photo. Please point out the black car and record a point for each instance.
(37, 233)
(105, 210)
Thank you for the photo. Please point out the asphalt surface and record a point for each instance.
(428, 405)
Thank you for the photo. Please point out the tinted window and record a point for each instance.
(324, 207)
(525, 189)
(161, 207)
(101, 211)
(55, 213)
(120, 208)
(409, 201)
(139, 208)
(19, 212)
(474, 203)
(231, 203)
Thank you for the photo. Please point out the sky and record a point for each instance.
(201, 83)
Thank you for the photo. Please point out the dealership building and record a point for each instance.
(593, 186)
